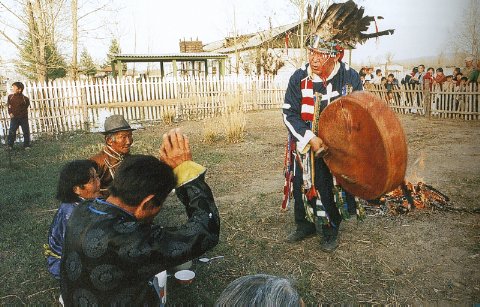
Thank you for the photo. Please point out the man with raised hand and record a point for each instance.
(113, 250)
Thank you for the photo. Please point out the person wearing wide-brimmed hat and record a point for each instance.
(118, 140)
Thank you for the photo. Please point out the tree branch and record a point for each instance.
(14, 14)
(93, 11)
(10, 26)
(10, 40)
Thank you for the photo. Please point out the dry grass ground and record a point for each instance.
(423, 257)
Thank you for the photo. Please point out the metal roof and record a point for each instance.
(254, 41)
(168, 57)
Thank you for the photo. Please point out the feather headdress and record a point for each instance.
(341, 25)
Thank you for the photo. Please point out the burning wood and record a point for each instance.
(406, 198)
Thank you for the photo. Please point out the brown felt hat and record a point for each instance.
(116, 123)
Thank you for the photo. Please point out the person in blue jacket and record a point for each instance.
(78, 181)
(324, 78)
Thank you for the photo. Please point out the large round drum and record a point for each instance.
(367, 151)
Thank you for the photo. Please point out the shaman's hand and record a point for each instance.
(317, 146)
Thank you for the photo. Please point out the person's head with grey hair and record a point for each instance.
(259, 290)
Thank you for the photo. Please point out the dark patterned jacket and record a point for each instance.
(109, 257)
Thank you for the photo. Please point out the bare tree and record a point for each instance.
(237, 55)
(441, 58)
(270, 62)
(38, 36)
(74, 10)
(469, 33)
(36, 40)
(80, 12)
(38, 30)
(388, 59)
(301, 8)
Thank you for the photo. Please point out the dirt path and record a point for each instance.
(414, 258)
(420, 258)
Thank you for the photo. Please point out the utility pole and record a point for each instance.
(302, 23)
(237, 64)
(74, 9)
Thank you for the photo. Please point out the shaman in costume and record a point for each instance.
(317, 197)
(118, 139)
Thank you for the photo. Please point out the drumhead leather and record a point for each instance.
(367, 150)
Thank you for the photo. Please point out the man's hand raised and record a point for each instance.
(175, 148)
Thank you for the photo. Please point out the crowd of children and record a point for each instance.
(461, 80)
(470, 74)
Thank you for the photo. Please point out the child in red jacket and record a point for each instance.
(18, 105)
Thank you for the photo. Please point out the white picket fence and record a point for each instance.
(446, 101)
(62, 106)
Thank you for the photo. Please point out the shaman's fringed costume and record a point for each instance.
(298, 115)
(308, 93)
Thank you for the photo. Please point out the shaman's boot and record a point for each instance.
(330, 238)
(300, 234)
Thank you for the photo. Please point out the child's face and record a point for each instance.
(16, 90)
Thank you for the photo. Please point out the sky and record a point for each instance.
(422, 27)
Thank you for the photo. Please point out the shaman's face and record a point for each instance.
(322, 64)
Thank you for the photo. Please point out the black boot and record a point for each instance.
(330, 239)
(300, 234)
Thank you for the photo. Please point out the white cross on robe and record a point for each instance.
(330, 94)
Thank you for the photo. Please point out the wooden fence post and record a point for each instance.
(83, 99)
(427, 98)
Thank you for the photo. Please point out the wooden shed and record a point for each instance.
(198, 58)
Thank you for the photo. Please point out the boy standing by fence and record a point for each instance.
(17, 105)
